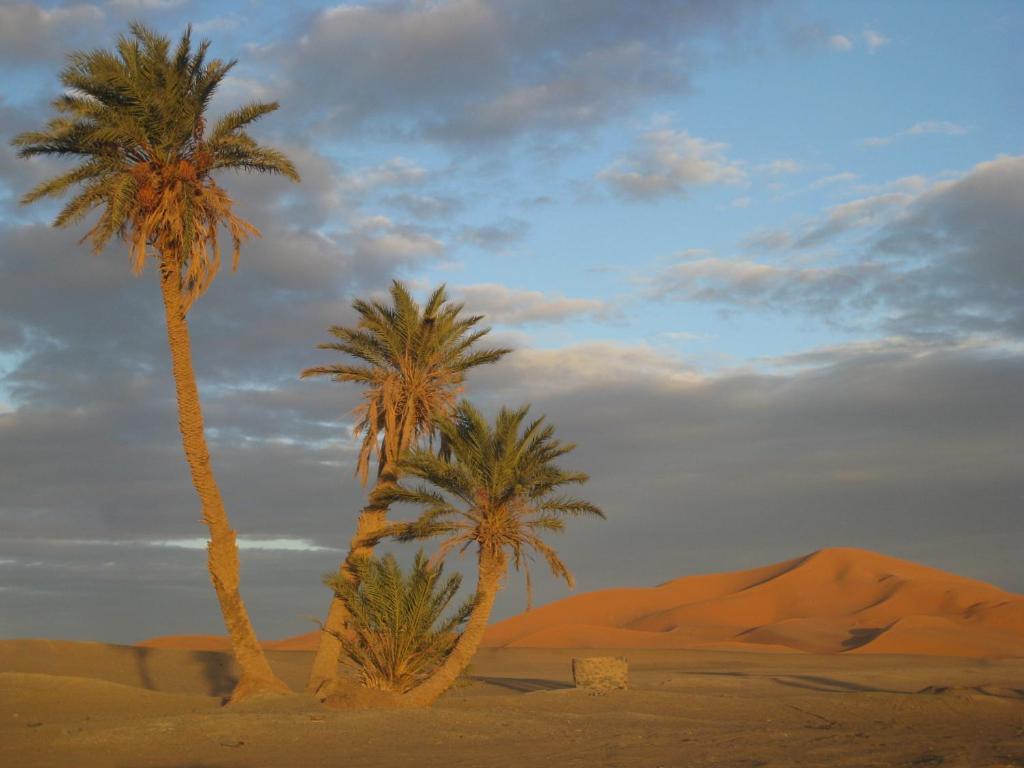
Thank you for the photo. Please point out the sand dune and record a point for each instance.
(832, 601)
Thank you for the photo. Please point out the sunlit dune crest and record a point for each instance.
(832, 601)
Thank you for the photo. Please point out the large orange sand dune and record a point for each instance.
(832, 601)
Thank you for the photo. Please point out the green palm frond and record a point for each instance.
(497, 490)
(397, 633)
(135, 119)
(416, 358)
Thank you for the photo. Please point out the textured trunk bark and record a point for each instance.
(222, 550)
(325, 662)
(491, 571)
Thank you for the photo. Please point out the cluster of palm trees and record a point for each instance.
(134, 120)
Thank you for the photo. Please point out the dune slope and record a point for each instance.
(831, 601)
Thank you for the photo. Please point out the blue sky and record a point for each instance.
(760, 259)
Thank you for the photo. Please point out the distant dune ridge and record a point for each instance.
(832, 601)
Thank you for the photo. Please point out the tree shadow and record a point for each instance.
(808, 682)
(994, 691)
(141, 663)
(220, 678)
(522, 684)
(828, 684)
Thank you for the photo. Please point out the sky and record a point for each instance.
(762, 261)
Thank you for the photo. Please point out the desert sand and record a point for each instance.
(840, 658)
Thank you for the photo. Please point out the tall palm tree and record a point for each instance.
(134, 119)
(411, 362)
(497, 492)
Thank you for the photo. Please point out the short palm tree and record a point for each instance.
(411, 362)
(496, 493)
(134, 119)
(395, 632)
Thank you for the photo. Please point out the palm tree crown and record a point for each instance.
(413, 361)
(499, 489)
(135, 119)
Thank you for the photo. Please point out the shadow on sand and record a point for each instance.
(218, 671)
(142, 665)
(809, 682)
(833, 685)
(522, 684)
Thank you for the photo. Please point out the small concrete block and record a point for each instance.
(602, 673)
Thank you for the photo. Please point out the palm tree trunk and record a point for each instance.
(325, 662)
(491, 570)
(222, 550)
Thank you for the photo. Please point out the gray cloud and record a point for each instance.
(426, 206)
(668, 163)
(30, 33)
(861, 448)
(496, 237)
(945, 261)
(479, 69)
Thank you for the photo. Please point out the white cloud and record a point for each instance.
(924, 128)
(840, 43)
(396, 172)
(532, 373)
(836, 178)
(874, 40)
(668, 163)
(267, 545)
(514, 307)
(145, 5)
(780, 167)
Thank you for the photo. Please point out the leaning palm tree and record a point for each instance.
(134, 119)
(411, 362)
(496, 493)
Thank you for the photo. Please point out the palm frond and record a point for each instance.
(134, 117)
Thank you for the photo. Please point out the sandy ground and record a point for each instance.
(91, 705)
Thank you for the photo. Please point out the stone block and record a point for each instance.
(601, 673)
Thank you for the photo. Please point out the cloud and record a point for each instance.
(667, 163)
(496, 237)
(144, 5)
(767, 240)
(856, 214)
(942, 262)
(29, 33)
(780, 167)
(837, 178)
(874, 40)
(703, 464)
(840, 43)
(508, 306)
(479, 70)
(925, 128)
(397, 171)
(426, 206)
